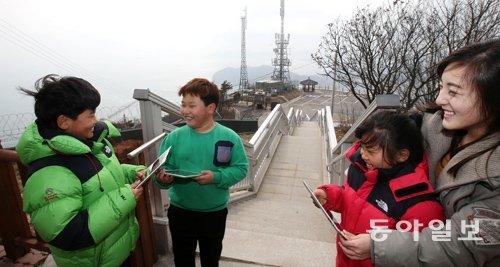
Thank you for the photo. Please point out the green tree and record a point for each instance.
(224, 88)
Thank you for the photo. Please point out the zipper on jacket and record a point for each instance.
(99, 261)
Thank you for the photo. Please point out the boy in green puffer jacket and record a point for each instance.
(79, 197)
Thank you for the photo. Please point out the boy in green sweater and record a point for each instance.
(198, 209)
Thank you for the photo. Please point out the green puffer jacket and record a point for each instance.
(85, 213)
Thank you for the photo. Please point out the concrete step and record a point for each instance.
(273, 209)
(267, 213)
(314, 230)
(293, 207)
(274, 250)
(279, 217)
(270, 214)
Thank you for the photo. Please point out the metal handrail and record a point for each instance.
(143, 147)
(261, 147)
(167, 106)
(380, 102)
(325, 121)
(265, 124)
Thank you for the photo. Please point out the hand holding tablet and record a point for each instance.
(154, 167)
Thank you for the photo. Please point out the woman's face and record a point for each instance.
(460, 104)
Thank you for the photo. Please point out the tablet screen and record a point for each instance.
(183, 173)
(332, 220)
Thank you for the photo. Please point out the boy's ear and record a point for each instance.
(212, 107)
(63, 122)
(402, 155)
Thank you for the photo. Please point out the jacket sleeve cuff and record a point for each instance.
(131, 170)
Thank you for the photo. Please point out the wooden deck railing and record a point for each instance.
(17, 236)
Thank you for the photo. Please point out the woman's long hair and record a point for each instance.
(482, 68)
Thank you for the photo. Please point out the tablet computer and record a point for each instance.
(183, 173)
(155, 166)
(332, 220)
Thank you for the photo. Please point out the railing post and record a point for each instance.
(252, 164)
(151, 127)
(13, 221)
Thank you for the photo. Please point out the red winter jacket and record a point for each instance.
(402, 193)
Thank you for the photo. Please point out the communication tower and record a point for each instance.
(243, 68)
(281, 62)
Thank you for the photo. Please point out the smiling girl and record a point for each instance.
(387, 182)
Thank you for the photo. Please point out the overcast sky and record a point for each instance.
(120, 45)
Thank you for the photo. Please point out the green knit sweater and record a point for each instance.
(220, 151)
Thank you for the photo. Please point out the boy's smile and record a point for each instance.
(196, 114)
(82, 127)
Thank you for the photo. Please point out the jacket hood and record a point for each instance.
(32, 145)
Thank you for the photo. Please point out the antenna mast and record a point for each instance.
(243, 67)
(281, 62)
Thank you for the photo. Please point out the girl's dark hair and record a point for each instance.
(392, 131)
(482, 68)
(55, 95)
(206, 90)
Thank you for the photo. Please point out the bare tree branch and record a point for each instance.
(394, 49)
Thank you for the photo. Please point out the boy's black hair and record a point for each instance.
(392, 131)
(55, 95)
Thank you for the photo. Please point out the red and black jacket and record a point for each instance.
(392, 195)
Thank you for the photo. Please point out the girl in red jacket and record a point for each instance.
(387, 183)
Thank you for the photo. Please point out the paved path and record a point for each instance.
(280, 226)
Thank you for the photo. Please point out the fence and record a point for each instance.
(13, 125)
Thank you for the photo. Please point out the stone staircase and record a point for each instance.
(281, 226)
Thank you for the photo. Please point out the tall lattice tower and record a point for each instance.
(281, 62)
(243, 68)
